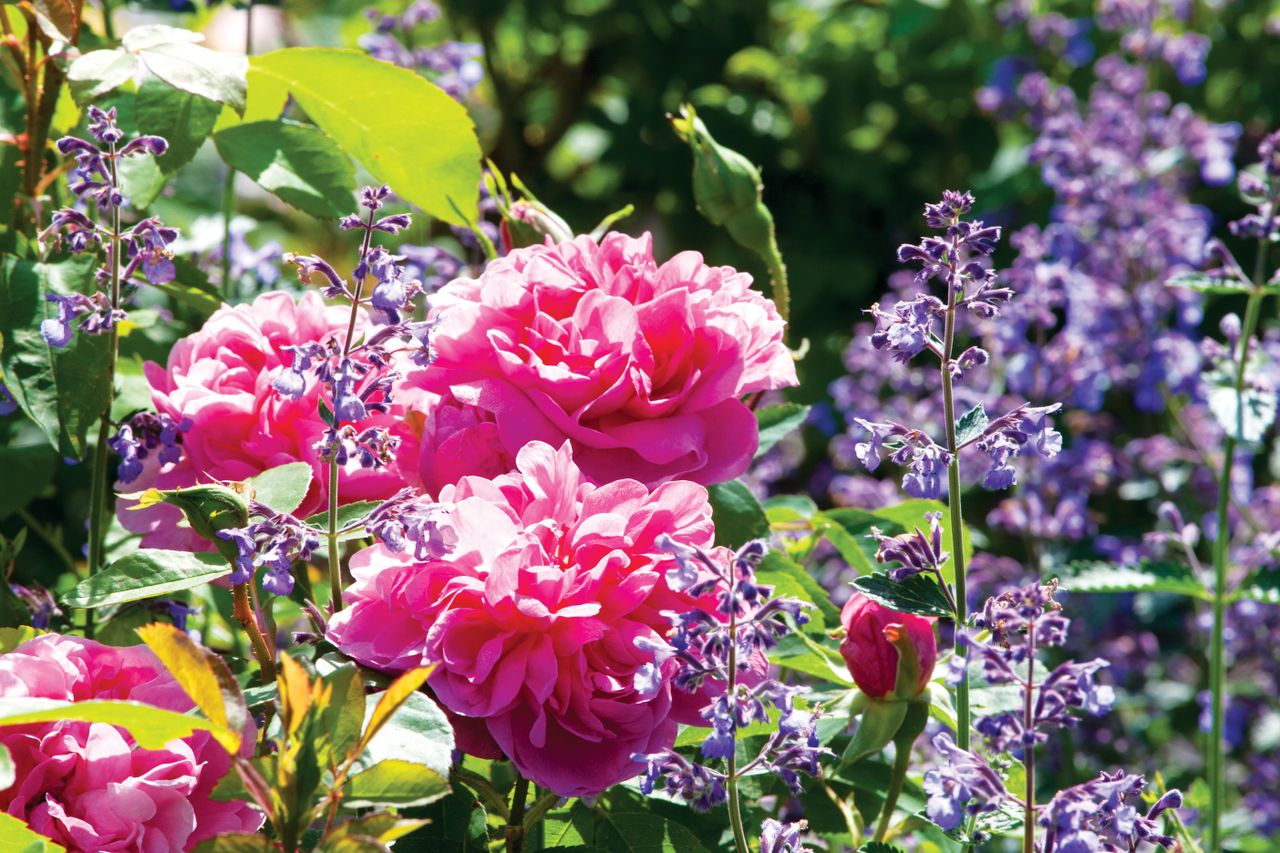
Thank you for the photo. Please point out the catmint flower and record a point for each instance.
(961, 784)
(778, 837)
(407, 517)
(1099, 815)
(908, 330)
(1006, 436)
(142, 434)
(8, 405)
(275, 543)
(915, 551)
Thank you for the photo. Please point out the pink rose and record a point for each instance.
(882, 647)
(444, 440)
(219, 381)
(540, 616)
(87, 785)
(640, 366)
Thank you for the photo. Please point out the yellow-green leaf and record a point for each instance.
(150, 726)
(203, 675)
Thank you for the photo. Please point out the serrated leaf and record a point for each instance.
(736, 514)
(414, 138)
(204, 677)
(284, 487)
(971, 424)
(63, 390)
(349, 515)
(299, 163)
(220, 77)
(98, 72)
(184, 120)
(395, 782)
(916, 594)
(1143, 576)
(776, 566)
(236, 842)
(1260, 585)
(619, 832)
(879, 847)
(896, 519)
(147, 573)
(1205, 283)
(458, 825)
(777, 422)
(150, 726)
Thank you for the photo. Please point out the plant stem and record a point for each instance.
(515, 822)
(731, 691)
(778, 276)
(956, 525)
(98, 490)
(1221, 545)
(228, 213)
(249, 619)
(335, 566)
(1029, 758)
(901, 762)
(108, 28)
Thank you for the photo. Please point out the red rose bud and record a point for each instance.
(889, 654)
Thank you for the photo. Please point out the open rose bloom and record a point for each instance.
(541, 616)
(641, 366)
(218, 380)
(88, 786)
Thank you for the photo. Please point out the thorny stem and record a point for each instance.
(246, 616)
(335, 566)
(101, 452)
(515, 822)
(778, 276)
(731, 691)
(1221, 544)
(956, 525)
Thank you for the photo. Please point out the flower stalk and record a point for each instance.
(956, 524)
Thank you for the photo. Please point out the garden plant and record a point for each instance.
(675, 426)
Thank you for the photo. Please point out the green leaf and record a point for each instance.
(1143, 576)
(1261, 585)
(458, 825)
(349, 515)
(875, 729)
(418, 729)
(173, 55)
(737, 515)
(147, 573)
(64, 391)
(971, 424)
(237, 842)
(208, 509)
(7, 774)
(28, 469)
(777, 566)
(1259, 409)
(17, 837)
(298, 162)
(382, 826)
(284, 487)
(896, 519)
(878, 847)
(619, 832)
(183, 119)
(403, 129)
(395, 782)
(98, 72)
(141, 179)
(1205, 283)
(916, 594)
(344, 716)
(777, 422)
(150, 726)
(204, 677)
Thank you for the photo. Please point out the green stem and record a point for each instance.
(1221, 545)
(108, 28)
(778, 275)
(731, 690)
(956, 526)
(1029, 759)
(98, 490)
(515, 822)
(901, 763)
(228, 213)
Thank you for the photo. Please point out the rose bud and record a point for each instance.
(889, 654)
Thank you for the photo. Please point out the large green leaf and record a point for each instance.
(63, 391)
(893, 520)
(776, 422)
(778, 567)
(203, 675)
(395, 782)
(403, 129)
(418, 729)
(27, 468)
(150, 726)
(301, 164)
(737, 514)
(284, 487)
(183, 119)
(1143, 576)
(348, 515)
(146, 574)
(620, 832)
(916, 594)
(237, 842)
(458, 825)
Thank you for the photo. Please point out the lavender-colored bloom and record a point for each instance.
(1100, 815)
(143, 434)
(915, 551)
(961, 784)
(57, 331)
(8, 405)
(778, 837)
(275, 543)
(408, 517)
